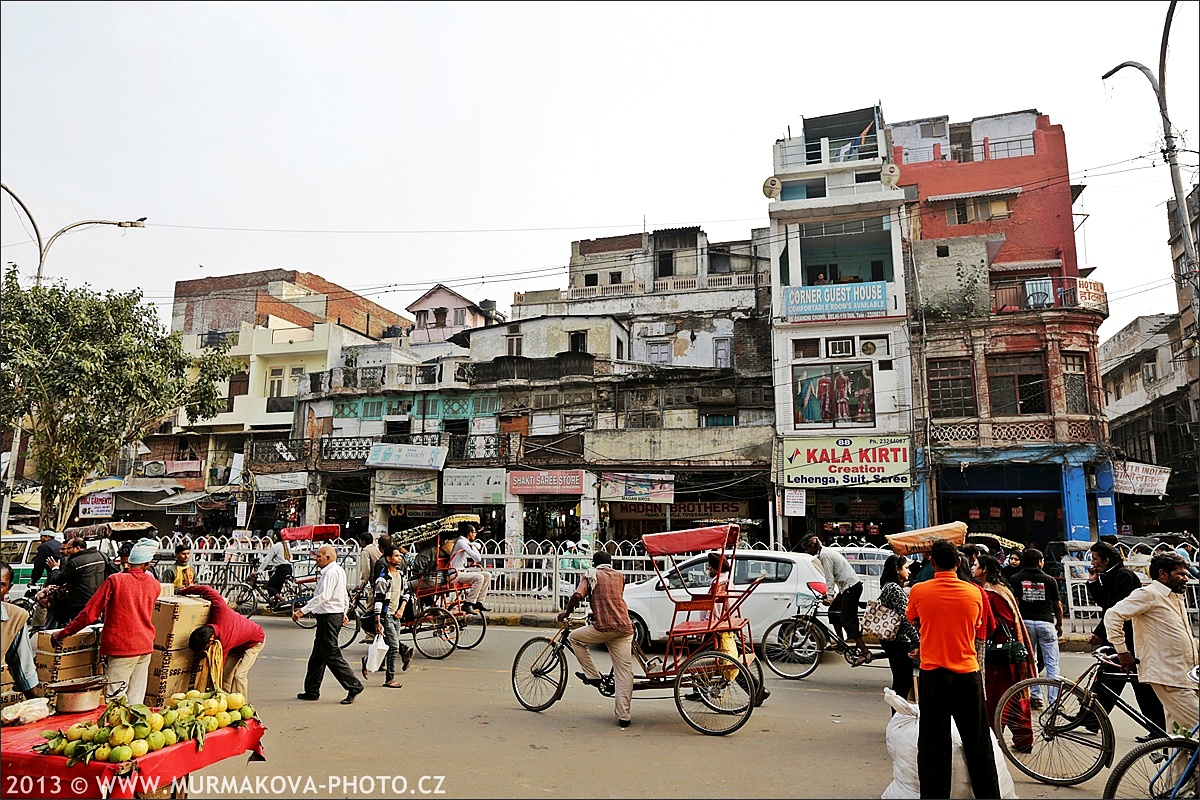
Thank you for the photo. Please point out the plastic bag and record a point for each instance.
(376, 652)
(26, 711)
(902, 733)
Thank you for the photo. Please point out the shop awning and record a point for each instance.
(147, 485)
(937, 198)
(183, 498)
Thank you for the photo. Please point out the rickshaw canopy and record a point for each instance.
(311, 532)
(922, 539)
(430, 529)
(692, 540)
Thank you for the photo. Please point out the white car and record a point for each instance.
(868, 564)
(787, 577)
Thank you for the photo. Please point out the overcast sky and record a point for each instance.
(391, 146)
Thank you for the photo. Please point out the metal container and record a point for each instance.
(81, 694)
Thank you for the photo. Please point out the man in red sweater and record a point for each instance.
(127, 602)
(241, 639)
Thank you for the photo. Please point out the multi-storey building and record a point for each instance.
(839, 335)
(1145, 399)
(1185, 351)
(1009, 425)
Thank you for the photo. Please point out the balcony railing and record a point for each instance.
(278, 405)
(517, 368)
(698, 283)
(1040, 294)
(280, 455)
(801, 153)
(350, 452)
(988, 150)
(601, 292)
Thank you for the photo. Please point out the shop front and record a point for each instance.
(480, 492)
(551, 505)
(856, 488)
(630, 521)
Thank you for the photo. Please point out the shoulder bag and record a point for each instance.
(1012, 651)
(881, 621)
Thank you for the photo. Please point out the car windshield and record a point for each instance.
(689, 575)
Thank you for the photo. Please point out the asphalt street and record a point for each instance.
(455, 729)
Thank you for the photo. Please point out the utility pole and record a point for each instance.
(1190, 271)
(43, 248)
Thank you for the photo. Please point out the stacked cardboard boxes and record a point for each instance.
(172, 664)
(8, 695)
(76, 656)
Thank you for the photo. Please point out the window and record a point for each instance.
(591, 279)
(643, 419)
(839, 347)
(719, 263)
(439, 317)
(485, 405)
(975, 209)
(666, 265)
(1017, 384)
(719, 420)
(867, 177)
(659, 352)
(747, 570)
(932, 130)
(372, 409)
(723, 352)
(422, 319)
(831, 395)
(295, 375)
(614, 278)
(579, 341)
(806, 348)
(460, 317)
(275, 382)
(1149, 372)
(943, 251)
(951, 388)
(1075, 383)
(514, 345)
(514, 328)
(545, 401)
(578, 422)
(620, 349)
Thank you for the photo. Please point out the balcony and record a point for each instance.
(988, 150)
(1013, 431)
(1042, 294)
(279, 405)
(397, 377)
(279, 455)
(518, 368)
(796, 155)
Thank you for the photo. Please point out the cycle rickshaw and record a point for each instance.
(709, 663)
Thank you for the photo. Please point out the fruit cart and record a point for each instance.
(25, 772)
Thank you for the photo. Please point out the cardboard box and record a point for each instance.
(59, 661)
(171, 662)
(6, 678)
(175, 618)
(54, 675)
(8, 698)
(159, 688)
(86, 639)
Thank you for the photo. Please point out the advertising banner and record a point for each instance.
(412, 456)
(1130, 477)
(550, 481)
(858, 461)
(837, 298)
(404, 486)
(476, 487)
(281, 482)
(96, 505)
(634, 488)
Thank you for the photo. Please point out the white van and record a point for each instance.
(17, 550)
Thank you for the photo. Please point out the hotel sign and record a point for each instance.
(835, 298)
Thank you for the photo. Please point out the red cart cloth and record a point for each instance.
(24, 773)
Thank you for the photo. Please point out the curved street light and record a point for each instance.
(43, 248)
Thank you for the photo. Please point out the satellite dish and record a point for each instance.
(889, 175)
(772, 186)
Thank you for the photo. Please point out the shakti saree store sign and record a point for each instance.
(551, 481)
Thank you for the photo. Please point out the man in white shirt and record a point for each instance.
(464, 553)
(329, 604)
(1163, 638)
(844, 588)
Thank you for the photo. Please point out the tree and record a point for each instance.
(89, 374)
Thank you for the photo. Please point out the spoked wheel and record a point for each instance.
(539, 674)
(792, 649)
(471, 630)
(435, 634)
(349, 630)
(244, 600)
(714, 693)
(1157, 769)
(1053, 744)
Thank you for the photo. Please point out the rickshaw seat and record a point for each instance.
(693, 627)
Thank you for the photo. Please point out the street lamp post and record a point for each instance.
(1190, 271)
(43, 248)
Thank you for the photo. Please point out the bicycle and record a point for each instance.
(792, 647)
(1069, 739)
(252, 597)
(1152, 769)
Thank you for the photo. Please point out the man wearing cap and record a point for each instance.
(51, 543)
(126, 600)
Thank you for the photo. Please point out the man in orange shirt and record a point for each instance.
(949, 613)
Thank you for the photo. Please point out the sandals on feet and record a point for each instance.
(392, 685)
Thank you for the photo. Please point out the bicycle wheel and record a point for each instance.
(539, 673)
(245, 600)
(350, 626)
(714, 693)
(471, 630)
(1052, 744)
(792, 648)
(1158, 768)
(435, 634)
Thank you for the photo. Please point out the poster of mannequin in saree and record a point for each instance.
(833, 395)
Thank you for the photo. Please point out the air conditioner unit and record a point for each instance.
(154, 469)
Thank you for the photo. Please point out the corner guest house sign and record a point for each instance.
(836, 298)
(859, 461)
(552, 481)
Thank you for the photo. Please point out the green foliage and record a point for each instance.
(90, 373)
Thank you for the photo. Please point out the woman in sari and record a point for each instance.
(999, 677)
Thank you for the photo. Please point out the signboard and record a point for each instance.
(859, 461)
(1130, 477)
(242, 508)
(1091, 294)
(476, 487)
(99, 504)
(552, 481)
(722, 509)
(795, 502)
(836, 298)
(404, 486)
(633, 488)
(281, 482)
(411, 456)
(184, 510)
